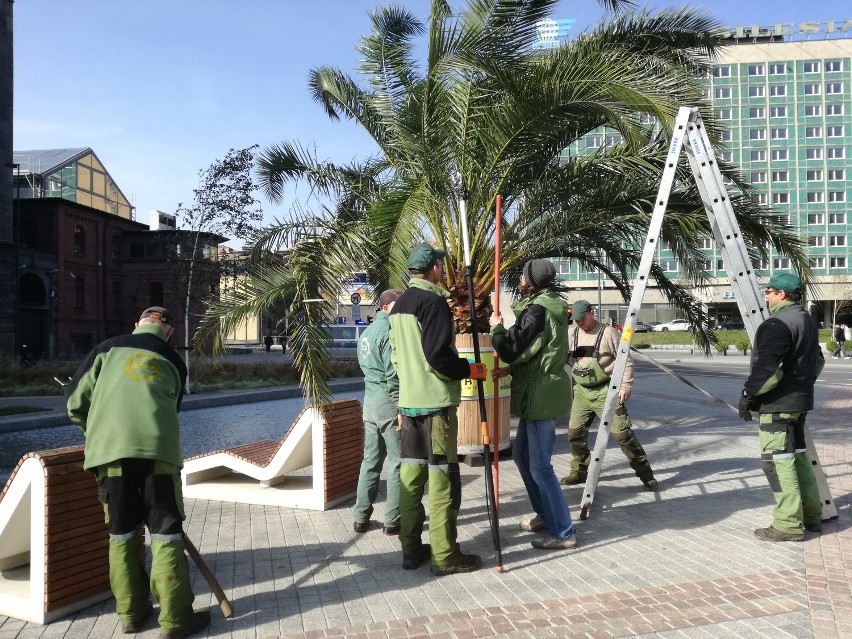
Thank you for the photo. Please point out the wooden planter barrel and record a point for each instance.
(470, 438)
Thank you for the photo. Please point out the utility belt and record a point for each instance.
(593, 375)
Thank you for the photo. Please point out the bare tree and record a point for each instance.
(224, 204)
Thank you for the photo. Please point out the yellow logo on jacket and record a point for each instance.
(143, 367)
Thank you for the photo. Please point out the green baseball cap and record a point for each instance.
(787, 282)
(423, 257)
(579, 309)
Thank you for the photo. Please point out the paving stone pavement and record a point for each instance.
(678, 563)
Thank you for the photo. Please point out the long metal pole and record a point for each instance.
(498, 241)
(491, 505)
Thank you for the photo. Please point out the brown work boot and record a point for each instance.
(814, 528)
(773, 534)
(574, 478)
(199, 621)
(555, 543)
(418, 558)
(459, 562)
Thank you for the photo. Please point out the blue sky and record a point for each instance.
(159, 89)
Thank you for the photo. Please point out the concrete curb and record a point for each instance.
(57, 416)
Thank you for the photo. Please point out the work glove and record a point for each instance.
(745, 406)
(495, 320)
(477, 371)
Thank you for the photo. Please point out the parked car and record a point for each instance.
(733, 324)
(652, 326)
(674, 325)
(642, 327)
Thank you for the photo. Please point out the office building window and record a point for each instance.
(779, 133)
(837, 218)
(812, 89)
(646, 118)
(815, 219)
(815, 241)
(778, 68)
(778, 112)
(834, 131)
(834, 109)
(814, 197)
(758, 177)
(726, 135)
(778, 90)
(816, 262)
(756, 92)
(813, 131)
(757, 112)
(706, 265)
(720, 264)
(780, 176)
(811, 67)
(812, 110)
(756, 69)
(834, 88)
(814, 175)
(780, 198)
(722, 72)
(813, 153)
(779, 154)
(836, 153)
(669, 266)
(722, 92)
(757, 134)
(781, 263)
(758, 156)
(723, 114)
(836, 174)
(760, 199)
(705, 243)
(727, 156)
(837, 240)
(593, 142)
(837, 262)
(837, 196)
(833, 65)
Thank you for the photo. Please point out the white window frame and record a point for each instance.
(816, 241)
(778, 133)
(758, 177)
(757, 91)
(722, 93)
(778, 68)
(780, 176)
(836, 174)
(811, 66)
(781, 198)
(834, 131)
(779, 155)
(816, 219)
(812, 88)
(816, 262)
(834, 88)
(814, 175)
(813, 110)
(757, 112)
(813, 153)
(833, 65)
(724, 114)
(756, 70)
(781, 263)
(836, 153)
(837, 240)
(777, 90)
(761, 199)
(758, 155)
(778, 112)
(837, 197)
(812, 132)
(837, 218)
(722, 71)
(837, 262)
(834, 109)
(757, 134)
(815, 197)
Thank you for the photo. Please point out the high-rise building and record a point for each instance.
(785, 94)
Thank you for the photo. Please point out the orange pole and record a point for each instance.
(496, 412)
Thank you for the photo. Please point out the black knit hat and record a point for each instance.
(539, 273)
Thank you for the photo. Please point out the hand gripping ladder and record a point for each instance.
(689, 129)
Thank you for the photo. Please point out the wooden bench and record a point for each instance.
(272, 473)
(53, 540)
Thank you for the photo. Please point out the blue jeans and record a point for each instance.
(532, 451)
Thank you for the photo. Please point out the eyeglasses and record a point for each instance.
(770, 291)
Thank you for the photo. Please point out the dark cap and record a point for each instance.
(423, 257)
(539, 273)
(787, 282)
(388, 296)
(579, 309)
(157, 313)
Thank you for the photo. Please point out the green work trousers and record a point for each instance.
(381, 440)
(589, 402)
(136, 491)
(789, 471)
(429, 446)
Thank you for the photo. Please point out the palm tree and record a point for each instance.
(489, 107)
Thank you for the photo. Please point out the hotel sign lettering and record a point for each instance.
(789, 28)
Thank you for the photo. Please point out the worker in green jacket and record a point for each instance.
(430, 372)
(536, 348)
(125, 397)
(381, 409)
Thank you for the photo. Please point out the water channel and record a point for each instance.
(202, 430)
